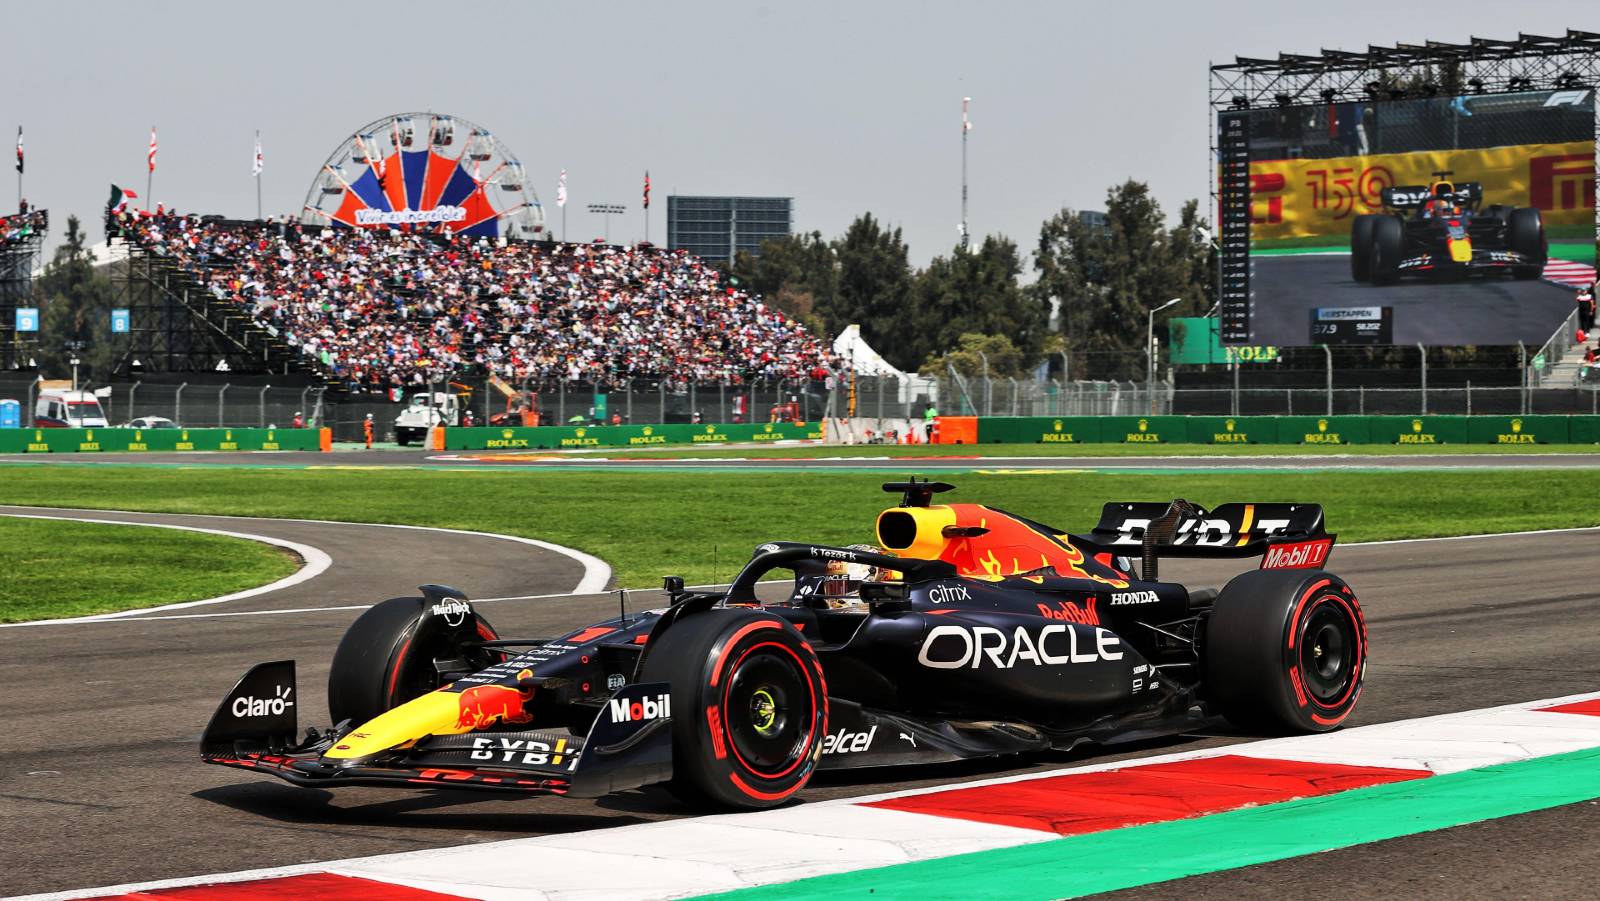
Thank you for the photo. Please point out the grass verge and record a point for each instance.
(52, 569)
(703, 526)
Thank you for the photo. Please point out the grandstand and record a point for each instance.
(22, 237)
(373, 311)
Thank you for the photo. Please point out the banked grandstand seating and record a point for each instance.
(373, 310)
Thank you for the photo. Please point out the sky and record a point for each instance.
(847, 107)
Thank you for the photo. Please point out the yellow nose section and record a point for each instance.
(1461, 251)
(435, 713)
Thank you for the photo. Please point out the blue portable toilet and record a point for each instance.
(10, 414)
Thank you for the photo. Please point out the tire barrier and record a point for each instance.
(113, 440)
(1313, 430)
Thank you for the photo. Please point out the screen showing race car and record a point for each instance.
(1445, 220)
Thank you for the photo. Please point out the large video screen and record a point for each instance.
(1448, 220)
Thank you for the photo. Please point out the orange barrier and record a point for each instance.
(326, 440)
(955, 430)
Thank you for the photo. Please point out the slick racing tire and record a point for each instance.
(1388, 242)
(1525, 235)
(750, 707)
(1361, 248)
(1286, 650)
(386, 658)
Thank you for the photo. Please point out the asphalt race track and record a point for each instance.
(1475, 311)
(100, 784)
(860, 458)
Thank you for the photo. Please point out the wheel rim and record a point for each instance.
(1329, 652)
(769, 712)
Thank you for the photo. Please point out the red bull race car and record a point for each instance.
(965, 632)
(1438, 231)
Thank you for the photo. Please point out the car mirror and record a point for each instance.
(875, 592)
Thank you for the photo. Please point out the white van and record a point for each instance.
(63, 408)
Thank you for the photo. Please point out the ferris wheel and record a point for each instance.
(425, 171)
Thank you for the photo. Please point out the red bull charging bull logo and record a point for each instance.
(484, 705)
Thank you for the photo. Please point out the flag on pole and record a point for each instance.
(561, 189)
(966, 124)
(19, 150)
(152, 157)
(119, 194)
(255, 166)
(647, 189)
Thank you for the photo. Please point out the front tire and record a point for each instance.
(1286, 650)
(386, 658)
(750, 707)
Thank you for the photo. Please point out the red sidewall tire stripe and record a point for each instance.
(811, 726)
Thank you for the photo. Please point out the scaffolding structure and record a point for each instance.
(174, 323)
(1569, 62)
(1481, 66)
(1404, 71)
(19, 259)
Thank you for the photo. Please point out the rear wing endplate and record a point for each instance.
(1231, 530)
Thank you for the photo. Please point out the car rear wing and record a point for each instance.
(1410, 197)
(1286, 536)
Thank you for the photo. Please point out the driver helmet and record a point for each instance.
(842, 582)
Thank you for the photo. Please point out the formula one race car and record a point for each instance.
(976, 633)
(1438, 230)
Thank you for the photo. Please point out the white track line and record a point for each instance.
(692, 856)
(315, 562)
(596, 572)
(537, 597)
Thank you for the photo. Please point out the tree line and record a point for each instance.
(1092, 287)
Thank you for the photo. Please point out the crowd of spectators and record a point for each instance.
(22, 224)
(382, 309)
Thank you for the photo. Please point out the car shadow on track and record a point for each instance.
(446, 810)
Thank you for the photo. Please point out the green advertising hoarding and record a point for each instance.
(1193, 340)
(1039, 430)
(1233, 429)
(636, 436)
(1418, 429)
(114, 440)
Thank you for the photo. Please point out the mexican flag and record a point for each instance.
(118, 195)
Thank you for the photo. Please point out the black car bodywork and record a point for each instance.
(983, 634)
(1439, 231)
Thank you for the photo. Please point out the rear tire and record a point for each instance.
(750, 707)
(1525, 235)
(1388, 242)
(1361, 248)
(383, 662)
(1286, 650)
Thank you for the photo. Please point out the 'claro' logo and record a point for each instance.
(958, 647)
(247, 706)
